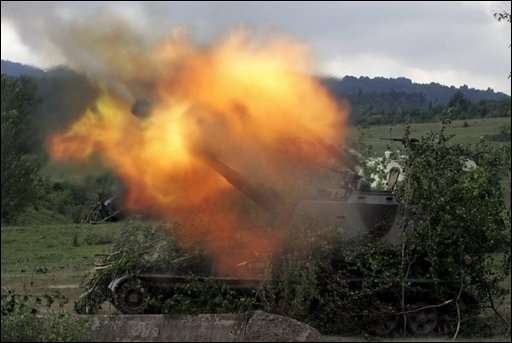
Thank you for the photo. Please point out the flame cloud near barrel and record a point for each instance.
(251, 103)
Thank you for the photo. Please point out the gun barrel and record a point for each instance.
(266, 198)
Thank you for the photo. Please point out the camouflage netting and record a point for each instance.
(141, 247)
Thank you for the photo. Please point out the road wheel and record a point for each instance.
(129, 297)
(423, 322)
(384, 325)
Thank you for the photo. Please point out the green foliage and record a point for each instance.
(458, 107)
(35, 319)
(139, 248)
(295, 291)
(75, 200)
(68, 200)
(359, 287)
(455, 215)
(19, 166)
(504, 16)
(60, 202)
(205, 296)
(337, 286)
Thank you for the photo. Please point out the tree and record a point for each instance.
(458, 106)
(505, 16)
(456, 217)
(19, 166)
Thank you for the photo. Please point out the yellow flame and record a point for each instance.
(251, 104)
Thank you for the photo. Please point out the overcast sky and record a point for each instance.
(453, 43)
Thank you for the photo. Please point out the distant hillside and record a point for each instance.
(369, 96)
(64, 94)
(372, 100)
(17, 69)
(433, 92)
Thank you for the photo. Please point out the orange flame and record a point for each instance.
(252, 105)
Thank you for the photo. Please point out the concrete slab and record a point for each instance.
(256, 326)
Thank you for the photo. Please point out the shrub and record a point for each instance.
(33, 319)
(18, 163)
(454, 217)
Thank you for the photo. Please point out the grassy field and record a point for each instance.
(52, 256)
(471, 134)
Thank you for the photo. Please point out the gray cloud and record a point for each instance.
(447, 42)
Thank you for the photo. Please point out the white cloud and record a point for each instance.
(446, 42)
(13, 49)
(374, 66)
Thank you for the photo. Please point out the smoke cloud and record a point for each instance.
(221, 136)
